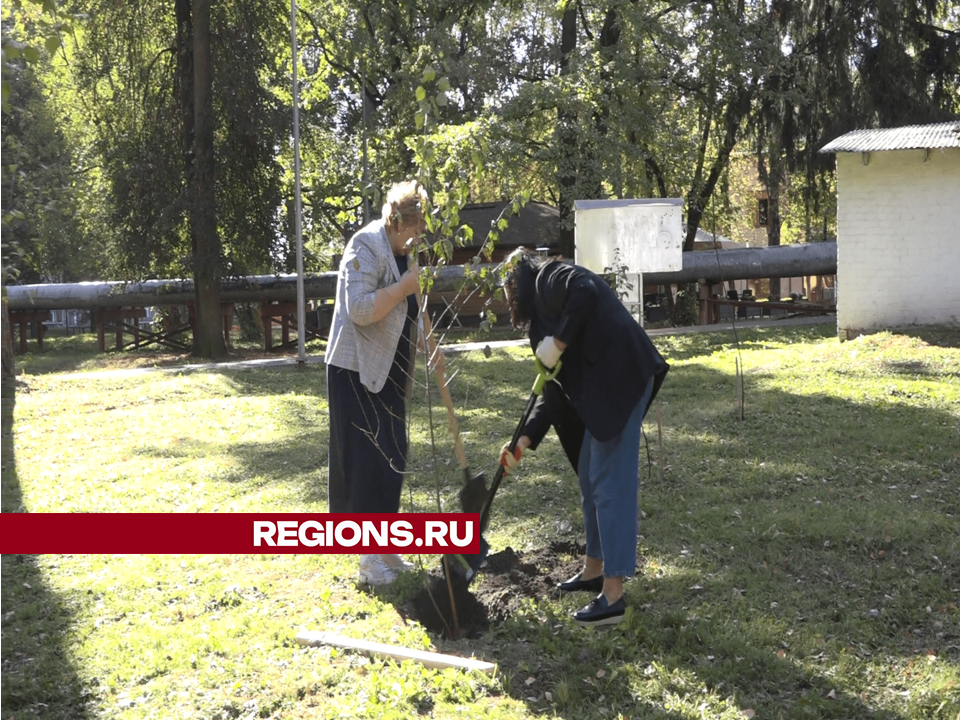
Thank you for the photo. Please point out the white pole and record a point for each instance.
(301, 305)
(640, 294)
(365, 175)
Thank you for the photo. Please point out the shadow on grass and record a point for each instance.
(938, 335)
(38, 679)
(796, 564)
(78, 353)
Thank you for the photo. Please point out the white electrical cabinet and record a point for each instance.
(630, 236)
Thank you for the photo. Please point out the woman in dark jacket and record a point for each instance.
(610, 373)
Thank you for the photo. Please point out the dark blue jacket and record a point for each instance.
(608, 359)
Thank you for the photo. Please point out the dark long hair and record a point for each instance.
(520, 283)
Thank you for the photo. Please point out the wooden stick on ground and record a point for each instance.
(430, 659)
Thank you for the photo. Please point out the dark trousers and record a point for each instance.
(368, 444)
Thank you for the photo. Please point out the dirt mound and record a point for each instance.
(505, 580)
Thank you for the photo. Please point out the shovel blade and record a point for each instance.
(466, 567)
(473, 494)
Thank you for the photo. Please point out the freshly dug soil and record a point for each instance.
(505, 579)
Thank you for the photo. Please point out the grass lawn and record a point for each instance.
(803, 562)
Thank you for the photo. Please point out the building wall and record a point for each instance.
(898, 251)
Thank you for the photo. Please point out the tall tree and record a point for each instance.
(568, 161)
(840, 66)
(127, 91)
(208, 332)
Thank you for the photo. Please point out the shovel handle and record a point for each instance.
(544, 375)
(485, 515)
(432, 349)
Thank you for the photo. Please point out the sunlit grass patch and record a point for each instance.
(800, 563)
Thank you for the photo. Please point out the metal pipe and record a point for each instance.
(799, 260)
(744, 264)
(88, 295)
(254, 288)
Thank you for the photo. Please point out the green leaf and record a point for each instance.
(52, 44)
(31, 54)
(443, 84)
(429, 73)
(421, 93)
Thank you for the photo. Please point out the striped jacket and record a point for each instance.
(356, 342)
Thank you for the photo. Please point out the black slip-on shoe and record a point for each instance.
(599, 612)
(578, 583)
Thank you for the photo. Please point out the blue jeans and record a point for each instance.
(608, 487)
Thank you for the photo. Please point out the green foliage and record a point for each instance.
(140, 134)
(618, 277)
(481, 101)
(42, 188)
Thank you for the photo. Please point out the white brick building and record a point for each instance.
(898, 227)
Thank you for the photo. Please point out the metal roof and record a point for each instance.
(908, 137)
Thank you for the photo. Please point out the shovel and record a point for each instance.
(467, 566)
(474, 490)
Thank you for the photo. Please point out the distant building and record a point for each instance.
(536, 226)
(898, 227)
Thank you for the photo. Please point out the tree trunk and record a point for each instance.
(683, 313)
(8, 373)
(567, 136)
(773, 233)
(772, 179)
(185, 78)
(208, 333)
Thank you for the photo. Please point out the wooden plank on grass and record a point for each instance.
(381, 650)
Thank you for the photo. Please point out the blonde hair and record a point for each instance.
(405, 201)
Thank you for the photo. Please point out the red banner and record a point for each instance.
(239, 533)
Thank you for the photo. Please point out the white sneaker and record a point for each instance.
(374, 571)
(397, 563)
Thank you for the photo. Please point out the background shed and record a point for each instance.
(898, 227)
(537, 225)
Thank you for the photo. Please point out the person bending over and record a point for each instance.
(610, 372)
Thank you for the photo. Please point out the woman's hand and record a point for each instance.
(511, 461)
(549, 351)
(410, 281)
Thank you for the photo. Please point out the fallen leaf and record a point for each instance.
(530, 680)
(749, 713)
(601, 673)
